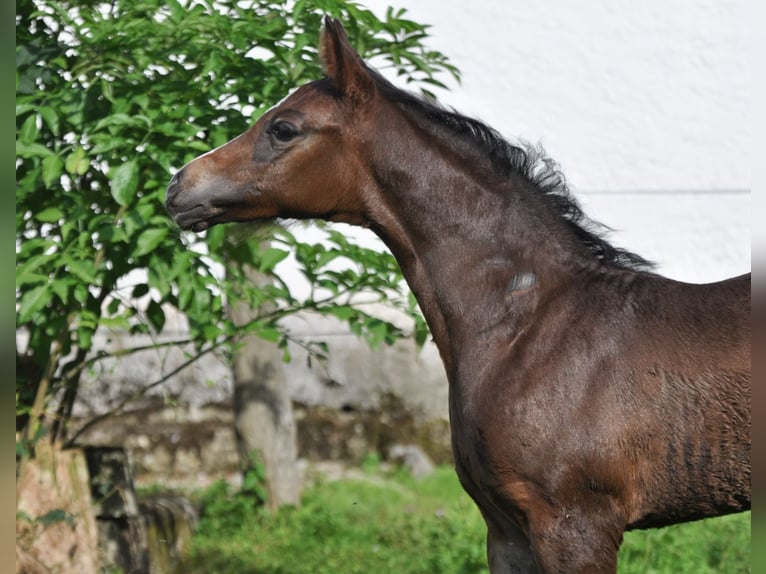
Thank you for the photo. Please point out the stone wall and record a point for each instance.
(355, 403)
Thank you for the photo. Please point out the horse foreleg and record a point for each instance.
(576, 543)
(509, 551)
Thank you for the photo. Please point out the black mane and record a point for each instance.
(524, 160)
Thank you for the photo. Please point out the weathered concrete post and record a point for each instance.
(263, 412)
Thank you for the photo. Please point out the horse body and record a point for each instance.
(634, 431)
(587, 394)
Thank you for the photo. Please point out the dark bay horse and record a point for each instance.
(588, 395)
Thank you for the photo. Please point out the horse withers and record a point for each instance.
(588, 395)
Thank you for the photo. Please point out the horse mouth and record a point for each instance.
(202, 206)
(197, 218)
(198, 207)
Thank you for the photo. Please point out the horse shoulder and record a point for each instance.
(580, 400)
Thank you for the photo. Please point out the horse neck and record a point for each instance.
(478, 252)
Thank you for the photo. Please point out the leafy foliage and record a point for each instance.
(111, 97)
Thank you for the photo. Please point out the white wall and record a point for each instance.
(645, 105)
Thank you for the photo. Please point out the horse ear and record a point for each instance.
(343, 66)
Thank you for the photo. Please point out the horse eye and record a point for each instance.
(283, 131)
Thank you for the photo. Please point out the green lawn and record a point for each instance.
(384, 524)
(713, 546)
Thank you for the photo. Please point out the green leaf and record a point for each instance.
(84, 337)
(326, 257)
(124, 182)
(30, 277)
(55, 516)
(202, 300)
(155, 315)
(52, 168)
(119, 323)
(76, 162)
(133, 221)
(211, 332)
(185, 295)
(109, 233)
(113, 306)
(51, 118)
(28, 131)
(33, 301)
(81, 293)
(159, 275)
(139, 291)
(149, 240)
(61, 287)
(30, 150)
(377, 332)
(83, 269)
(215, 237)
(22, 109)
(421, 332)
(342, 312)
(270, 258)
(28, 269)
(50, 215)
(269, 333)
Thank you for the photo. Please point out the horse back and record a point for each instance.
(691, 384)
(696, 328)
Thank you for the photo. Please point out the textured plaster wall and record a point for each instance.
(645, 105)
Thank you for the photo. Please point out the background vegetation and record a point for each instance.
(110, 99)
(384, 522)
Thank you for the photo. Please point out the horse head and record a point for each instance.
(301, 159)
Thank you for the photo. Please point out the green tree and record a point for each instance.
(110, 97)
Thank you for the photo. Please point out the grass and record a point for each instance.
(712, 546)
(393, 523)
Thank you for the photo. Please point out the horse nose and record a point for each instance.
(173, 187)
